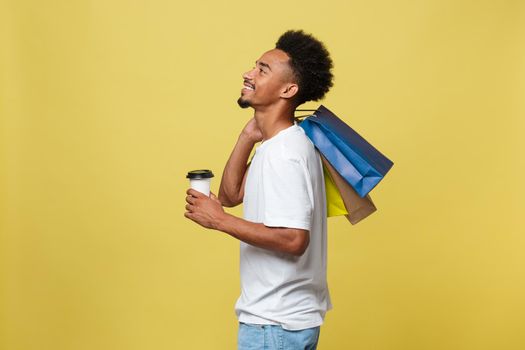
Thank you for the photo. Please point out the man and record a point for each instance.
(284, 294)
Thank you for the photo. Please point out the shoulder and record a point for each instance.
(291, 145)
(296, 145)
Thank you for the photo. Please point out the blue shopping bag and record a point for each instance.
(356, 160)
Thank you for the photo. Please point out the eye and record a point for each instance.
(261, 70)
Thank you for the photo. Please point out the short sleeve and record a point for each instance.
(287, 191)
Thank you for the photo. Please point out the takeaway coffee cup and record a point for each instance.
(200, 180)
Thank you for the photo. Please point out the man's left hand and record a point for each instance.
(204, 210)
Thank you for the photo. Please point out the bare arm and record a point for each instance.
(287, 240)
(231, 191)
(208, 212)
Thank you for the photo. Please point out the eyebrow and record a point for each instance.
(263, 64)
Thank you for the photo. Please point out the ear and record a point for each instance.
(289, 90)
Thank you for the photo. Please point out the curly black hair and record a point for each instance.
(310, 62)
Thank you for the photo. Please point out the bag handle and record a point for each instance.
(298, 118)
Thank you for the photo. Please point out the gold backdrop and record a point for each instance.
(105, 105)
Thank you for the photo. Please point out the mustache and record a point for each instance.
(245, 81)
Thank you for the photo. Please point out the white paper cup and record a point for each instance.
(200, 180)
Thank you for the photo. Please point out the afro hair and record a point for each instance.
(310, 62)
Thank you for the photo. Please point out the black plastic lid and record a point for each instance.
(199, 174)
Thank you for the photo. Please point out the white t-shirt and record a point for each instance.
(285, 188)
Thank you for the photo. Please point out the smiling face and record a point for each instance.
(269, 81)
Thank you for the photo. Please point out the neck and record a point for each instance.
(273, 119)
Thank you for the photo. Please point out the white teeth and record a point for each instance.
(248, 87)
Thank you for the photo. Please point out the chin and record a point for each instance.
(243, 103)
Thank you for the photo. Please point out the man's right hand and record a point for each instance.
(252, 132)
(231, 191)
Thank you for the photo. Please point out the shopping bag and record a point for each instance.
(342, 199)
(335, 205)
(356, 160)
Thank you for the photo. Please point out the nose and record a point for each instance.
(248, 75)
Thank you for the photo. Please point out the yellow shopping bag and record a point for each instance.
(334, 202)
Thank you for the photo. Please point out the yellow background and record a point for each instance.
(105, 105)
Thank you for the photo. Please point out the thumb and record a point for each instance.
(214, 198)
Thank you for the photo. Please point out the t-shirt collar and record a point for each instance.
(280, 133)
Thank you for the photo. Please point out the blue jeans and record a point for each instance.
(270, 337)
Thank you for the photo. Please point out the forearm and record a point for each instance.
(234, 172)
(286, 240)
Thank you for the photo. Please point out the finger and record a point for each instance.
(194, 193)
(190, 199)
(189, 207)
